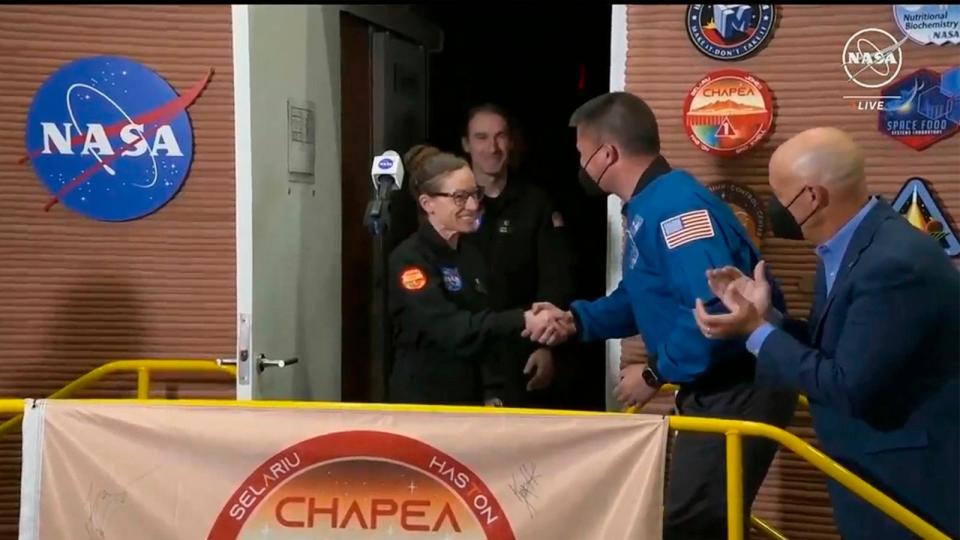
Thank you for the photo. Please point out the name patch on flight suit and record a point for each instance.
(413, 279)
(686, 228)
(633, 253)
(451, 279)
(504, 227)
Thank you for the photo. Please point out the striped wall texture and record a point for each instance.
(77, 292)
(801, 65)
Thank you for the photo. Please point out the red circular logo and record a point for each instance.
(362, 484)
(728, 112)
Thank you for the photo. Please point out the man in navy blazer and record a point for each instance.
(879, 355)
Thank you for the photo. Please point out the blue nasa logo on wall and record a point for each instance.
(730, 31)
(927, 24)
(110, 138)
(451, 279)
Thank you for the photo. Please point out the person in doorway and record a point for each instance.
(676, 229)
(522, 239)
(879, 356)
(446, 337)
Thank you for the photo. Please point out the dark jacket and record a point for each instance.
(446, 339)
(879, 362)
(521, 238)
(528, 259)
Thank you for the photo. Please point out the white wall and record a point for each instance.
(618, 70)
(295, 53)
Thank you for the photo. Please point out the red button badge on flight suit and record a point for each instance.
(413, 279)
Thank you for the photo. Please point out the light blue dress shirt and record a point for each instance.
(831, 253)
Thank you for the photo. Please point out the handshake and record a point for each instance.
(546, 324)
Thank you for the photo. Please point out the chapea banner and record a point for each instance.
(285, 471)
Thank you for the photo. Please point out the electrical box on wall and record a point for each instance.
(301, 140)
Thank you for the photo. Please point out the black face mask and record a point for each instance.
(591, 186)
(782, 222)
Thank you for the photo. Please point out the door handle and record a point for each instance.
(263, 362)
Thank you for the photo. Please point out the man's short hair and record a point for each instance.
(490, 108)
(623, 117)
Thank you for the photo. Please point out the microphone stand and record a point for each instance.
(377, 221)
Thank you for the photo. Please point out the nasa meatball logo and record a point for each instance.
(728, 112)
(110, 138)
(730, 31)
(385, 163)
(872, 58)
(362, 485)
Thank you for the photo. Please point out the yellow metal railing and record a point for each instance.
(802, 399)
(768, 530)
(143, 369)
(734, 430)
(765, 528)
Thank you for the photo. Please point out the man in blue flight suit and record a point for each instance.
(676, 230)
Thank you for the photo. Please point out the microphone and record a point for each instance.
(387, 167)
(387, 176)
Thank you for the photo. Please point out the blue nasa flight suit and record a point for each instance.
(676, 230)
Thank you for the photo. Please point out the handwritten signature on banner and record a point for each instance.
(524, 485)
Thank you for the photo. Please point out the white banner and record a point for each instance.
(124, 471)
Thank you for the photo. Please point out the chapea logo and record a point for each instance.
(362, 485)
(110, 138)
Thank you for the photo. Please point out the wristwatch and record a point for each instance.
(651, 378)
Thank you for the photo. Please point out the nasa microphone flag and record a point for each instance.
(262, 471)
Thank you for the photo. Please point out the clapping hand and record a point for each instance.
(548, 325)
(724, 281)
(748, 301)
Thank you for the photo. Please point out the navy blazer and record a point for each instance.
(878, 360)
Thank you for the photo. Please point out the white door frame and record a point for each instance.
(243, 155)
(618, 68)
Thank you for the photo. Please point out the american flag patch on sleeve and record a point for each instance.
(686, 228)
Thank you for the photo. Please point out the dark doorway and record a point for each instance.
(540, 64)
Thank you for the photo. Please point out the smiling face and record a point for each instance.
(488, 142)
(452, 201)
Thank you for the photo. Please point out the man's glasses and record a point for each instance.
(460, 197)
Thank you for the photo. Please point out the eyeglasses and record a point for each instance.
(460, 197)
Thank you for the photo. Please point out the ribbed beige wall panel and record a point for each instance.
(801, 65)
(77, 292)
